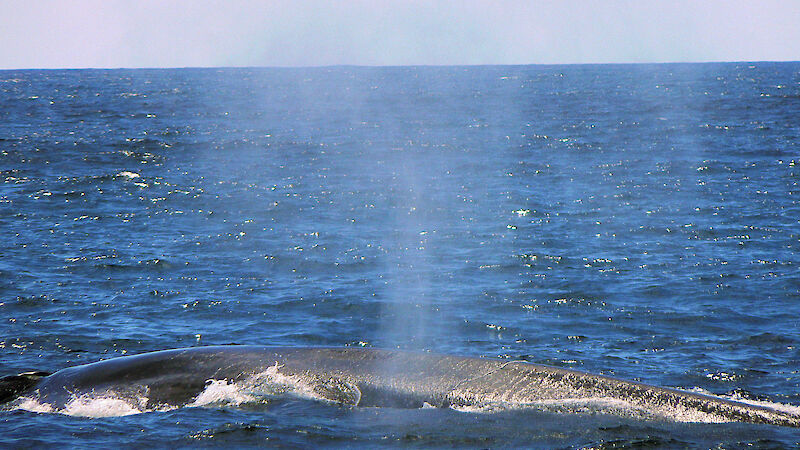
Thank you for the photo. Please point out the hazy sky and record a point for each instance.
(178, 33)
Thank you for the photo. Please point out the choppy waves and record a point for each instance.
(638, 221)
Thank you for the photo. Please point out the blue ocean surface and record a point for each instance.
(638, 221)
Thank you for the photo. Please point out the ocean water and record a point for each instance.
(639, 221)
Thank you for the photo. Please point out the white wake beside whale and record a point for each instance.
(367, 377)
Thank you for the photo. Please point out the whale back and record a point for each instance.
(13, 385)
(374, 377)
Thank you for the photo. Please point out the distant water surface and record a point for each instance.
(641, 221)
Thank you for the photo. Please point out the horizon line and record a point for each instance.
(323, 66)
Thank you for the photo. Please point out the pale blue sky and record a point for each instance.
(179, 33)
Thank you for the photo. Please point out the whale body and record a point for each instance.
(373, 377)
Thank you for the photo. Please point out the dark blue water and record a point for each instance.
(641, 221)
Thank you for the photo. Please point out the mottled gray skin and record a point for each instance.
(371, 377)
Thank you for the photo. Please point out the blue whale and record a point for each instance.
(374, 377)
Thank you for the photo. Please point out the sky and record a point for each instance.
(181, 33)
